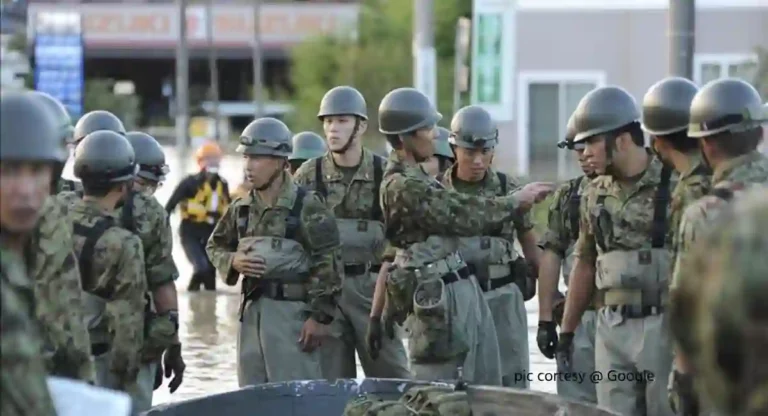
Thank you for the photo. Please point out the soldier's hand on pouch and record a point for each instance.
(174, 364)
(564, 352)
(312, 334)
(158, 376)
(373, 336)
(546, 337)
(249, 265)
(533, 193)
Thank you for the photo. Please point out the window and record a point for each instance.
(547, 103)
(709, 67)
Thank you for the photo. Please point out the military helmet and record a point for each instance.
(149, 156)
(473, 127)
(725, 105)
(307, 145)
(602, 110)
(97, 120)
(405, 110)
(442, 146)
(667, 106)
(266, 136)
(60, 113)
(105, 156)
(28, 131)
(570, 133)
(342, 101)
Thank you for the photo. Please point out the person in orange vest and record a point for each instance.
(203, 198)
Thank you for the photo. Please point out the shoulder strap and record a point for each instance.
(503, 181)
(574, 203)
(126, 216)
(661, 200)
(293, 221)
(242, 220)
(378, 174)
(319, 184)
(92, 235)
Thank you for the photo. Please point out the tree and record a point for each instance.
(376, 62)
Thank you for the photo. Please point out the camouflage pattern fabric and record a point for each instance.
(416, 401)
(68, 185)
(118, 275)
(264, 220)
(723, 278)
(24, 389)
(692, 185)
(59, 294)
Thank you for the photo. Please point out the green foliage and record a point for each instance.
(761, 76)
(99, 96)
(378, 61)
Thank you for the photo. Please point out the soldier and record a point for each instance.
(666, 110)
(623, 250)
(58, 290)
(443, 157)
(502, 273)
(151, 225)
(448, 320)
(31, 147)
(349, 178)
(725, 117)
(306, 145)
(284, 241)
(111, 259)
(558, 244)
(719, 321)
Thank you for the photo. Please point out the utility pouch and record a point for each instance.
(433, 337)
(401, 284)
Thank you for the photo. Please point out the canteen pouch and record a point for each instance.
(363, 241)
(401, 284)
(417, 396)
(432, 336)
(446, 404)
(359, 405)
(525, 278)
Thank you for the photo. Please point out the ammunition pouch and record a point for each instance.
(493, 276)
(433, 336)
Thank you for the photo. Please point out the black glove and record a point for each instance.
(174, 364)
(546, 337)
(373, 337)
(158, 375)
(682, 397)
(564, 352)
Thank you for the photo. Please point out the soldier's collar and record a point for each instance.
(489, 179)
(726, 168)
(287, 195)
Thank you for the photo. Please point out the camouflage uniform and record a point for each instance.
(59, 294)
(560, 237)
(24, 388)
(353, 195)
(504, 297)
(692, 185)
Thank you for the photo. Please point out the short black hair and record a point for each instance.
(681, 142)
(100, 189)
(737, 144)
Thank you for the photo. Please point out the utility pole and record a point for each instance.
(213, 69)
(182, 86)
(257, 61)
(424, 56)
(682, 27)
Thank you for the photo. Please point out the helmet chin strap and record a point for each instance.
(272, 178)
(351, 139)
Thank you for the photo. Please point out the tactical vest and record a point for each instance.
(635, 277)
(207, 206)
(287, 263)
(362, 240)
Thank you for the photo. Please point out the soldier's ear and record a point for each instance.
(363, 127)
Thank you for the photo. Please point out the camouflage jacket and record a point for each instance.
(24, 389)
(59, 294)
(563, 221)
(692, 185)
(733, 176)
(265, 220)
(117, 275)
(416, 206)
(630, 212)
(68, 185)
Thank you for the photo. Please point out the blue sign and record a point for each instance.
(59, 68)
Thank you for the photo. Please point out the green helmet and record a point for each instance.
(59, 112)
(602, 110)
(342, 101)
(404, 110)
(97, 120)
(667, 106)
(105, 157)
(307, 145)
(28, 131)
(472, 127)
(266, 136)
(570, 133)
(725, 105)
(442, 147)
(149, 156)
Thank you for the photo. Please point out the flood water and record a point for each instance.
(209, 321)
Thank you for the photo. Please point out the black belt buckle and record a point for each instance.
(638, 311)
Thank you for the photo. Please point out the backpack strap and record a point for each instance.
(503, 182)
(599, 237)
(85, 259)
(126, 215)
(293, 221)
(660, 203)
(319, 184)
(242, 220)
(574, 204)
(378, 175)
